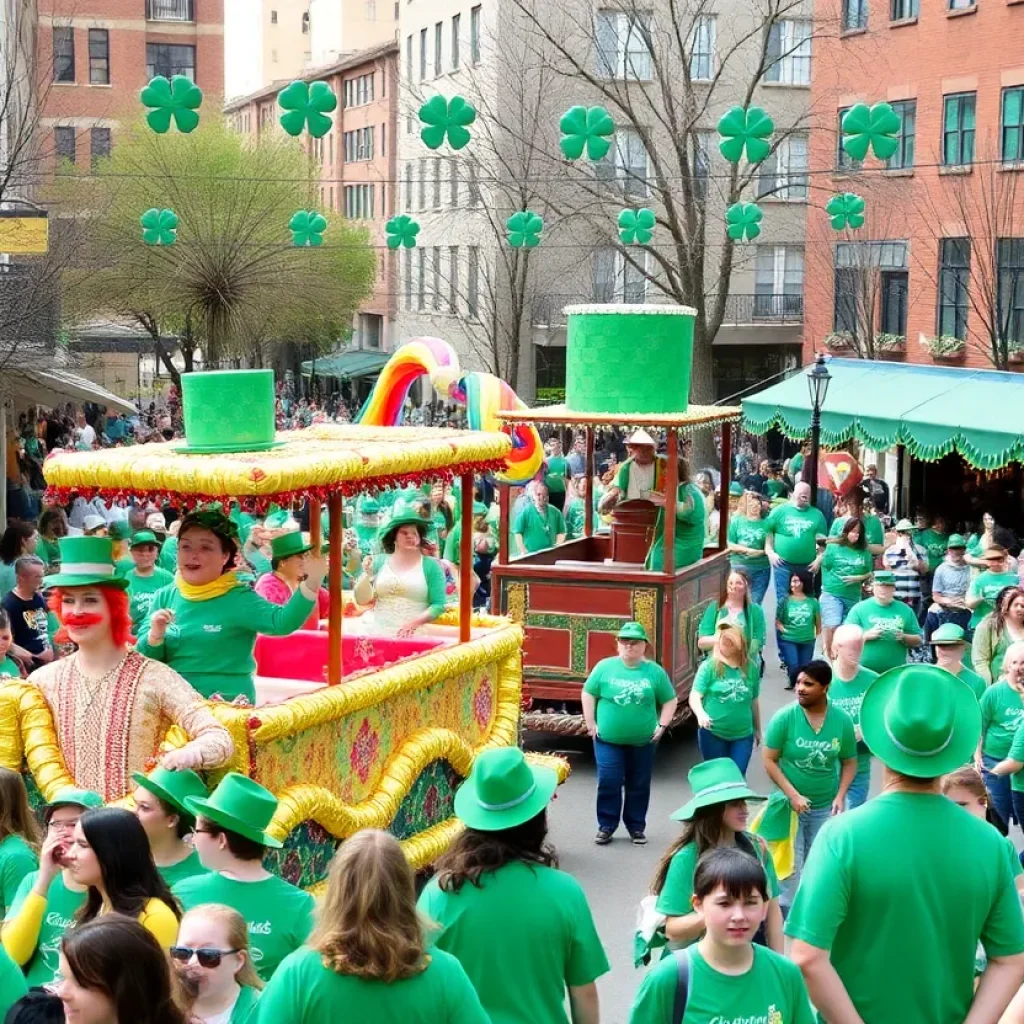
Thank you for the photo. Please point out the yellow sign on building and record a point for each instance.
(22, 234)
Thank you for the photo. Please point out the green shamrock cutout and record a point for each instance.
(446, 118)
(744, 221)
(747, 130)
(306, 105)
(401, 232)
(307, 227)
(586, 128)
(178, 98)
(846, 210)
(159, 227)
(523, 229)
(636, 227)
(876, 128)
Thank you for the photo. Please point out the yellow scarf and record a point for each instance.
(207, 591)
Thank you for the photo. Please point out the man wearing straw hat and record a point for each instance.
(896, 895)
(642, 473)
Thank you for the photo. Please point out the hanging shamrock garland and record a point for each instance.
(307, 228)
(306, 105)
(159, 227)
(876, 128)
(523, 229)
(177, 100)
(636, 227)
(587, 129)
(743, 221)
(745, 131)
(401, 232)
(845, 210)
(446, 119)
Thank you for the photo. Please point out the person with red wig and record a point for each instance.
(111, 705)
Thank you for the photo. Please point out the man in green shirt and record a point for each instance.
(539, 525)
(985, 587)
(628, 703)
(949, 642)
(557, 473)
(896, 895)
(890, 626)
(850, 681)
(791, 538)
(146, 578)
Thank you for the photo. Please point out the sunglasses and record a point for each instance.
(207, 957)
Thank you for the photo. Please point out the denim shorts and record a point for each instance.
(834, 609)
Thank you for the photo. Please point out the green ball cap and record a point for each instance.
(503, 790)
(955, 541)
(143, 537)
(633, 631)
(949, 633)
(887, 579)
(70, 796)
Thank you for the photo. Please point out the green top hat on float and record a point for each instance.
(239, 805)
(84, 562)
(228, 411)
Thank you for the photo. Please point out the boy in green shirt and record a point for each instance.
(145, 578)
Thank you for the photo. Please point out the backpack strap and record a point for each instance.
(682, 957)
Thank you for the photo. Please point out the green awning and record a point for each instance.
(345, 365)
(933, 410)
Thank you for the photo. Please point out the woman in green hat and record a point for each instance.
(521, 928)
(289, 556)
(160, 806)
(146, 577)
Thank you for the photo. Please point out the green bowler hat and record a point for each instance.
(736, 489)
(368, 506)
(949, 633)
(955, 541)
(228, 411)
(632, 631)
(172, 787)
(503, 790)
(239, 805)
(143, 537)
(288, 544)
(84, 562)
(885, 578)
(920, 720)
(717, 781)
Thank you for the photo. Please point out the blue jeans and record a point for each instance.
(712, 746)
(810, 823)
(794, 656)
(1018, 805)
(623, 785)
(857, 794)
(759, 580)
(999, 789)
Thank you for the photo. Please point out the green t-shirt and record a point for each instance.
(886, 651)
(1001, 713)
(799, 619)
(279, 915)
(849, 695)
(12, 984)
(751, 622)
(874, 531)
(523, 935)
(168, 557)
(794, 532)
(987, 585)
(628, 699)
(810, 760)
(775, 488)
(841, 560)
(187, 868)
(558, 470)
(750, 533)
(1017, 754)
(772, 991)
(61, 906)
(9, 667)
(728, 698)
(935, 544)
(576, 518)
(17, 859)
(905, 884)
(973, 680)
(690, 530)
(304, 991)
(49, 552)
(141, 590)
(539, 531)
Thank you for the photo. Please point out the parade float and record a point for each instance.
(349, 732)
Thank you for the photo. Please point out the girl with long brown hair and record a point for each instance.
(735, 606)
(1003, 626)
(366, 959)
(19, 837)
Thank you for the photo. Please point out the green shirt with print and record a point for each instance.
(61, 906)
(523, 935)
(728, 697)
(629, 700)
(842, 560)
(750, 621)
(141, 590)
(12, 984)
(811, 760)
(987, 585)
(973, 680)
(539, 530)
(886, 651)
(1001, 713)
(874, 531)
(9, 667)
(168, 557)
(794, 532)
(49, 552)
(190, 867)
(750, 533)
(576, 518)
(799, 619)
(279, 915)
(848, 694)
(17, 859)
(1016, 753)
(887, 922)
(557, 474)
(771, 991)
(936, 546)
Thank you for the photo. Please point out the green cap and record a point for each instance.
(503, 790)
(920, 720)
(735, 489)
(239, 805)
(69, 796)
(905, 526)
(173, 787)
(949, 633)
(119, 530)
(633, 631)
(717, 781)
(289, 544)
(885, 578)
(143, 537)
(368, 506)
(956, 540)
(276, 520)
(479, 509)
(86, 561)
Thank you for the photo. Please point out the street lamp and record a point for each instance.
(817, 384)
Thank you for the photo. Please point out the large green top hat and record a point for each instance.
(172, 787)
(920, 720)
(288, 544)
(718, 781)
(228, 411)
(239, 805)
(84, 562)
(503, 790)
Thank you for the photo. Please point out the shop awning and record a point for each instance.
(53, 387)
(345, 365)
(933, 410)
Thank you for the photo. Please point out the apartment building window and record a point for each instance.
(99, 56)
(893, 302)
(618, 279)
(359, 201)
(625, 163)
(169, 10)
(421, 279)
(474, 35)
(437, 183)
(453, 182)
(954, 280)
(960, 5)
(958, 129)
(473, 282)
(778, 281)
(456, 30)
(453, 279)
(858, 265)
(358, 91)
(904, 156)
(438, 47)
(1010, 288)
(435, 266)
(844, 162)
(99, 144)
(1012, 138)
(64, 143)
(474, 185)
(855, 14)
(170, 59)
(371, 10)
(788, 57)
(384, 140)
(407, 278)
(783, 173)
(357, 144)
(408, 187)
(623, 44)
(423, 54)
(700, 163)
(422, 185)
(63, 53)
(702, 49)
(903, 9)
(408, 59)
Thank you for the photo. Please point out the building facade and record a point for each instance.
(265, 41)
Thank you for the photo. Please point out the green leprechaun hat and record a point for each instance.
(288, 544)
(503, 790)
(228, 411)
(84, 562)
(239, 805)
(717, 781)
(173, 788)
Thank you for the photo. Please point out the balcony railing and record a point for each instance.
(759, 309)
(170, 10)
(547, 309)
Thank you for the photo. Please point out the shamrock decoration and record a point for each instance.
(747, 130)
(744, 221)
(178, 99)
(586, 128)
(159, 227)
(401, 232)
(636, 226)
(446, 118)
(523, 229)
(306, 105)
(876, 128)
(846, 210)
(307, 227)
